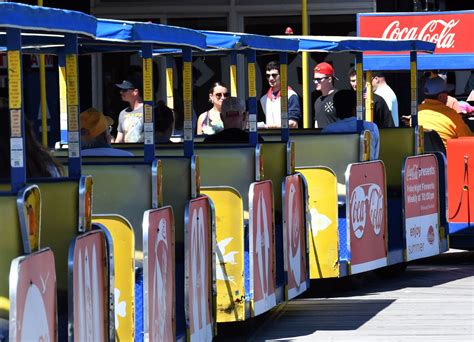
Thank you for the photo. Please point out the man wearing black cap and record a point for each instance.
(435, 115)
(130, 125)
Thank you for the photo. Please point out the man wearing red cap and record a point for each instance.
(324, 110)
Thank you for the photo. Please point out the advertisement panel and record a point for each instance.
(89, 287)
(198, 249)
(421, 202)
(262, 246)
(367, 215)
(159, 277)
(294, 230)
(451, 31)
(33, 297)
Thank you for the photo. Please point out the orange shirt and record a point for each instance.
(433, 114)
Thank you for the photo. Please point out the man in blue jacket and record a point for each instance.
(271, 104)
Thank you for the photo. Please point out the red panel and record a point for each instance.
(295, 231)
(452, 32)
(198, 248)
(36, 298)
(161, 274)
(460, 154)
(262, 246)
(367, 212)
(89, 274)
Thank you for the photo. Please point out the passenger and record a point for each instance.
(39, 162)
(344, 105)
(164, 120)
(469, 84)
(448, 100)
(381, 88)
(234, 118)
(435, 115)
(210, 121)
(382, 115)
(324, 110)
(130, 125)
(271, 103)
(95, 135)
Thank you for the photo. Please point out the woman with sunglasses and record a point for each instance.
(210, 122)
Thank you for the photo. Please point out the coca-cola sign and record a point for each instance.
(450, 31)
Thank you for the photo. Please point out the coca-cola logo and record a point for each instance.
(435, 31)
(364, 203)
(358, 211)
(431, 235)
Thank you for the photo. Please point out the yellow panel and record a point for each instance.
(323, 239)
(71, 80)
(233, 80)
(230, 253)
(11, 246)
(14, 79)
(147, 79)
(395, 145)
(251, 79)
(124, 248)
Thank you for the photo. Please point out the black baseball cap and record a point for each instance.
(130, 83)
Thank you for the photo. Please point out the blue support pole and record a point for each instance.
(15, 98)
(148, 103)
(73, 107)
(189, 119)
(360, 92)
(414, 88)
(233, 74)
(285, 132)
(252, 97)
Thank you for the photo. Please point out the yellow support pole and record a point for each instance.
(369, 103)
(306, 93)
(42, 75)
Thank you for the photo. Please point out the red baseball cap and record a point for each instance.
(324, 68)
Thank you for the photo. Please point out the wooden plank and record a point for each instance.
(432, 301)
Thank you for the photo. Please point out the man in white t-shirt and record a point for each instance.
(381, 88)
(130, 123)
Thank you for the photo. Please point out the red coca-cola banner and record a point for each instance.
(451, 31)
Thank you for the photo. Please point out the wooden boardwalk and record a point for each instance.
(432, 301)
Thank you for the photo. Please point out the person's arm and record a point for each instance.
(294, 111)
(462, 129)
(199, 123)
(119, 138)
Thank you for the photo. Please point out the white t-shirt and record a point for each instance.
(391, 99)
(131, 124)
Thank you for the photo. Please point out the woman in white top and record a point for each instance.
(210, 122)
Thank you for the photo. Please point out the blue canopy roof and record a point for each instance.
(239, 41)
(340, 44)
(139, 32)
(46, 19)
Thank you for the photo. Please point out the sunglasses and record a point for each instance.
(319, 79)
(272, 75)
(220, 95)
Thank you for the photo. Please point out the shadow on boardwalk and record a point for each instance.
(338, 305)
